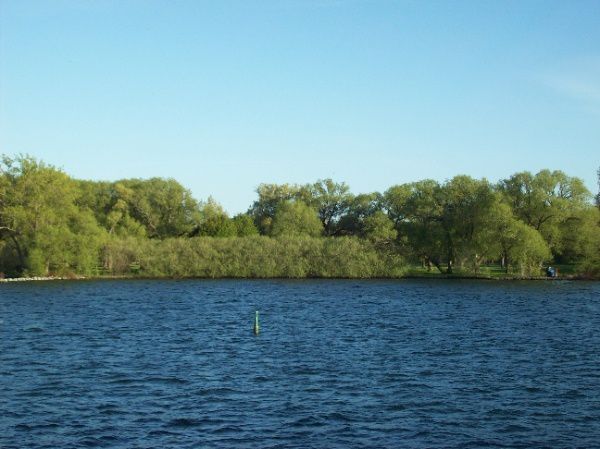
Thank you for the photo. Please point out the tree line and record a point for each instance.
(51, 223)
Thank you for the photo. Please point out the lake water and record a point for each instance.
(338, 364)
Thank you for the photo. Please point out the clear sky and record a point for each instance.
(224, 95)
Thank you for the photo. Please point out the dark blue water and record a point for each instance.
(339, 364)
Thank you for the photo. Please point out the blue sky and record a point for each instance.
(224, 95)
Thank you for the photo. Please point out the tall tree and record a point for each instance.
(331, 200)
(163, 206)
(155, 208)
(40, 218)
(214, 221)
(395, 202)
(360, 207)
(379, 229)
(270, 196)
(418, 216)
(520, 247)
(545, 201)
(466, 207)
(294, 218)
(244, 225)
(443, 223)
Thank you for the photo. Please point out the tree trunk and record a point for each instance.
(13, 236)
(435, 262)
(19, 252)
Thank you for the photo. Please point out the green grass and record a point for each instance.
(566, 269)
(494, 271)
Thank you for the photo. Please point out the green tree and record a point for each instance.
(163, 206)
(467, 205)
(395, 201)
(519, 247)
(215, 222)
(156, 208)
(270, 196)
(545, 201)
(244, 225)
(97, 197)
(580, 234)
(117, 214)
(360, 207)
(331, 200)
(295, 218)
(524, 248)
(378, 228)
(40, 219)
(589, 262)
(417, 210)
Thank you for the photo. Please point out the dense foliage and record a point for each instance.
(53, 224)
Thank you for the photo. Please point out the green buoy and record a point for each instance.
(256, 325)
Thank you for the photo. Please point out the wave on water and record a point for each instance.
(33, 328)
(455, 365)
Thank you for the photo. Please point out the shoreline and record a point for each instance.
(434, 277)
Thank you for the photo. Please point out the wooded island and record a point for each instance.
(52, 224)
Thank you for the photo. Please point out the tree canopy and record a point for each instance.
(52, 223)
(296, 218)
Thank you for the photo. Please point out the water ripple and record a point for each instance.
(373, 364)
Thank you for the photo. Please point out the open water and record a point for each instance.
(338, 364)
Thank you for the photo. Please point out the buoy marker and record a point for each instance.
(256, 325)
